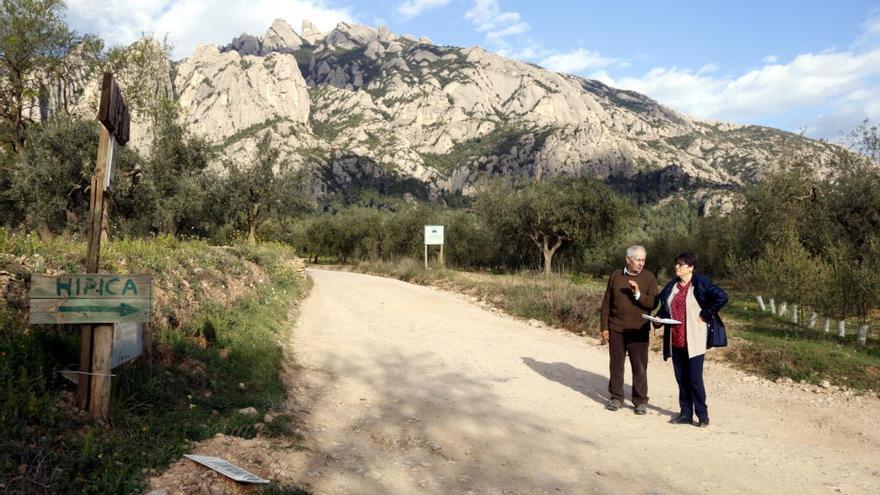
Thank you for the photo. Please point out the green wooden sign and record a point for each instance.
(90, 298)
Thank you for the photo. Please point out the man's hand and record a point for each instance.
(634, 286)
(604, 334)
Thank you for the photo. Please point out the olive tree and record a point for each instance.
(34, 43)
(551, 214)
(267, 185)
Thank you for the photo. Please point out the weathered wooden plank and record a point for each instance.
(112, 111)
(91, 286)
(60, 311)
(99, 405)
(83, 391)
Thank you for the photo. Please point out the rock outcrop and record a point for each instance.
(225, 93)
(363, 107)
(451, 117)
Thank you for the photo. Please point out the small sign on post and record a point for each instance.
(90, 298)
(128, 343)
(433, 237)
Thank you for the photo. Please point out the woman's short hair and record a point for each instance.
(688, 258)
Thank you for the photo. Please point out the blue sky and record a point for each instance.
(811, 66)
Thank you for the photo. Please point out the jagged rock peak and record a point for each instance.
(357, 32)
(310, 33)
(244, 44)
(386, 36)
(348, 36)
(280, 37)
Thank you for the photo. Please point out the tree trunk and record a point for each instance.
(548, 254)
(45, 232)
(253, 214)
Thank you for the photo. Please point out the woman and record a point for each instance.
(694, 301)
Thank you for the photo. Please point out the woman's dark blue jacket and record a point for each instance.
(709, 296)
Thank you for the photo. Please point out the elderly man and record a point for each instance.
(631, 292)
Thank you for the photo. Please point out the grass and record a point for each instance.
(225, 355)
(759, 342)
(776, 348)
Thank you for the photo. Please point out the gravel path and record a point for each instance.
(409, 390)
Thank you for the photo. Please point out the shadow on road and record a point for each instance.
(429, 416)
(586, 382)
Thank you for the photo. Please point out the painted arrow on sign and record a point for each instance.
(122, 310)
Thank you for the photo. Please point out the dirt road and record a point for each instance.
(414, 390)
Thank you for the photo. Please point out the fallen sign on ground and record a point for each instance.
(226, 468)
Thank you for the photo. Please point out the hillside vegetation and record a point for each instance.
(222, 316)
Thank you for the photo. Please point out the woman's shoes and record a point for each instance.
(682, 419)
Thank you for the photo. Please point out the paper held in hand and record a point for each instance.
(665, 321)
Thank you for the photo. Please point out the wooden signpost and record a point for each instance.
(96, 300)
(97, 340)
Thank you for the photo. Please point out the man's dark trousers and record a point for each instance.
(634, 343)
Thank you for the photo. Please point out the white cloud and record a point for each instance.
(708, 69)
(489, 18)
(576, 61)
(513, 29)
(836, 125)
(413, 8)
(190, 22)
(873, 27)
(530, 50)
(483, 12)
(770, 59)
(810, 81)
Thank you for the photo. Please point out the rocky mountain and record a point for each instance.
(364, 108)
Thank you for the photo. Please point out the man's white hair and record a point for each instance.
(632, 250)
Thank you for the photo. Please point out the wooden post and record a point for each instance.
(97, 343)
(106, 143)
(85, 366)
(442, 261)
(761, 303)
(426, 256)
(102, 352)
(148, 342)
(97, 340)
(772, 306)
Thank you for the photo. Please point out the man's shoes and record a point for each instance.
(641, 409)
(682, 419)
(613, 405)
(703, 423)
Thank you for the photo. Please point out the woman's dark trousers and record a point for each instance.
(689, 375)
